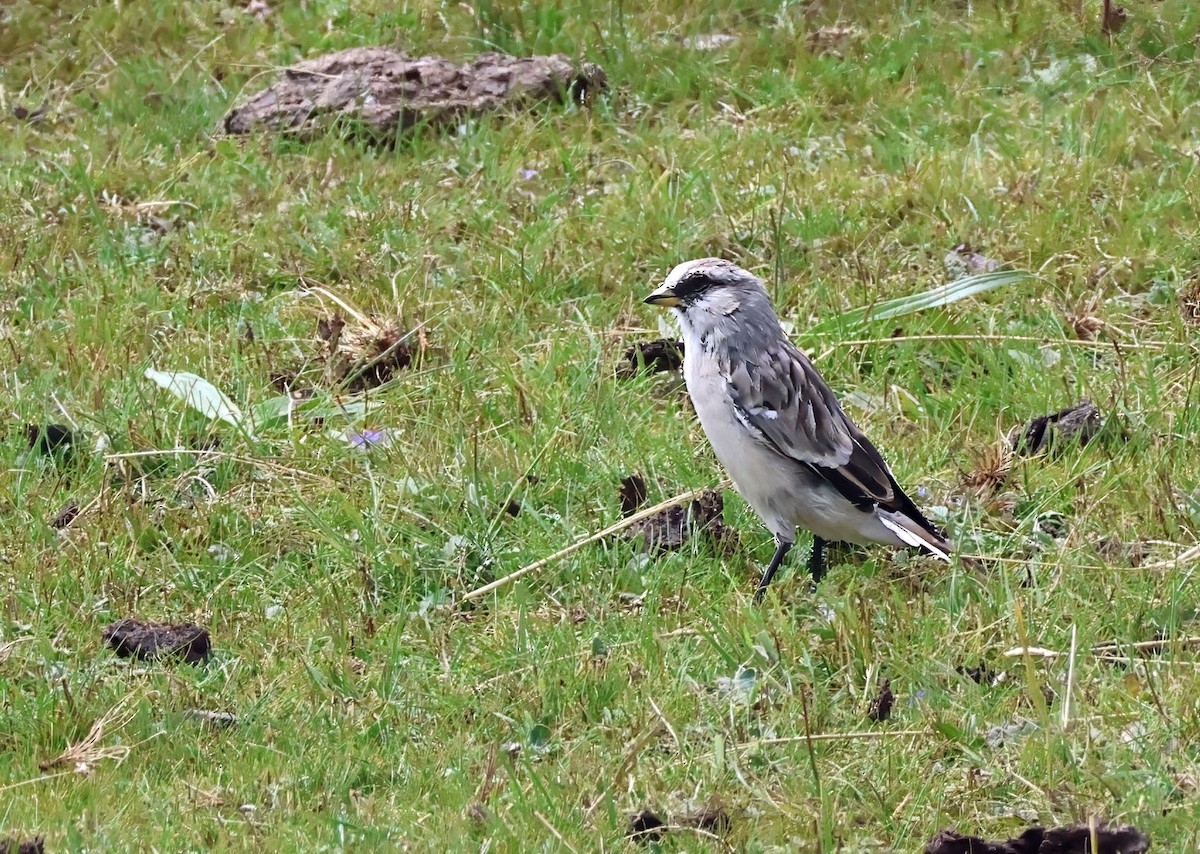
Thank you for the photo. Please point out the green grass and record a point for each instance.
(369, 718)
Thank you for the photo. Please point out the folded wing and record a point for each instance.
(786, 404)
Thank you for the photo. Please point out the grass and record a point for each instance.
(370, 718)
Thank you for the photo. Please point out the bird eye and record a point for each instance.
(693, 284)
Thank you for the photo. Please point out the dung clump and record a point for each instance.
(651, 357)
(1076, 425)
(1075, 839)
(881, 706)
(645, 826)
(377, 93)
(633, 493)
(668, 529)
(148, 641)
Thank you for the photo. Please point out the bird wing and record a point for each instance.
(781, 398)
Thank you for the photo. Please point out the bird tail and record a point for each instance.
(912, 533)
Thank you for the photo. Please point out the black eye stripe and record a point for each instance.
(692, 285)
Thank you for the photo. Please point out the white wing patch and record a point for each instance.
(912, 538)
(763, 412)
(740, 414)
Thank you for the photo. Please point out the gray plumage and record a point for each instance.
(775, 425)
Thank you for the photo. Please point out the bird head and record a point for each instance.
(705, 292)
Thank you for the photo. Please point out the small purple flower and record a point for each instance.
(367, 438)
(528, 174)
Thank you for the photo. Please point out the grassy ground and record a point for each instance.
(369, 718)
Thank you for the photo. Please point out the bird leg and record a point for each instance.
(781, 550)
(816, 560)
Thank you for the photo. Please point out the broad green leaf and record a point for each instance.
(968, 286)
(740, 689)
(275, 409)
(744, 680)
(270, 410)
(199, 394)
(539, 735)
(599, 647)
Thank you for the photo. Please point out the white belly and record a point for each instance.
(784, 493)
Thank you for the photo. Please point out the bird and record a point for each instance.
(777, 428)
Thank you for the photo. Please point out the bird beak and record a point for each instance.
(663, 296)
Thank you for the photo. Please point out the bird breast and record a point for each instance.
(750, 465)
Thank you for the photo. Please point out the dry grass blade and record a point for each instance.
(7, 648)
(576, 546)
(207, 798)
(832, 736)
(1009, 339)
(344, 304)
(632, 750)
(555, 832)
(86, 753)
(1187, 557)
(1111, 646)
(698, 831)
